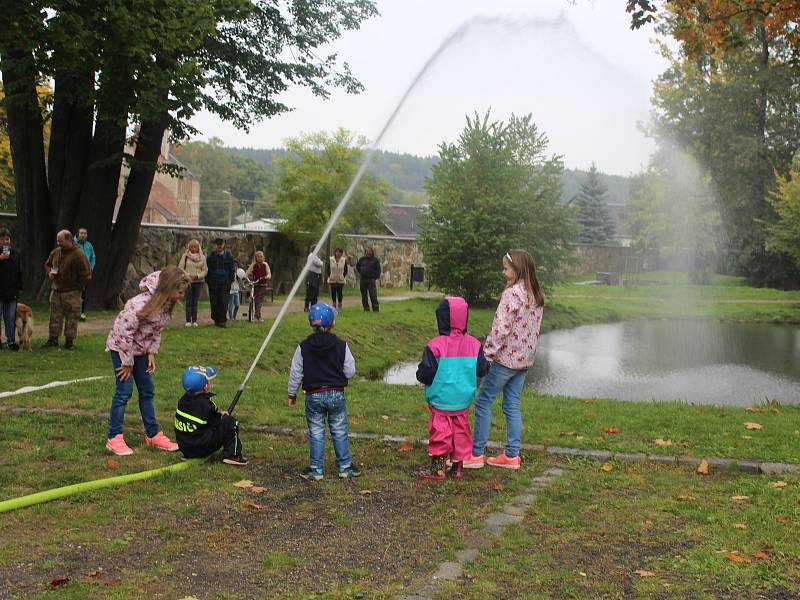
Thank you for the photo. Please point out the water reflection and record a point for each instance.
(695, 361)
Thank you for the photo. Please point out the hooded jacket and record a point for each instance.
(453, 361)
(321, 362)
(131, 336)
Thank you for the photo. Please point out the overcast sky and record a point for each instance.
(576, 67)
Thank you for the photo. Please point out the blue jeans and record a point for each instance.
(124, 391)
(331, 406)
(9, 315)
(233, 305)
(511, 382)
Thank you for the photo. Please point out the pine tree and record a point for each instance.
(595, 222)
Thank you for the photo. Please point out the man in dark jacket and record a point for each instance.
(369, 270)
(221, 271)
(69, 272)
(10, 286)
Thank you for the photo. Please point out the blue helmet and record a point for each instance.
(321, 315)
(195, 378)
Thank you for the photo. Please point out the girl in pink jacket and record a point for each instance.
(510, 347)
(133, 343)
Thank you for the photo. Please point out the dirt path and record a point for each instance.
(268, 311)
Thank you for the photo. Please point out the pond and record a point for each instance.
(701, 362)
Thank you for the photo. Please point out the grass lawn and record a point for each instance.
(150, 537)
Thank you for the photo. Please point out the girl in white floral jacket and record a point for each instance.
(510, 347)
(133, 343)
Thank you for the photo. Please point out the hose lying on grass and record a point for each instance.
(86, 486)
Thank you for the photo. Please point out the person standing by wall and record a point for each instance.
(313, 277)
(10, 286)
(221, 271)
(369, 269)
(193, 263)
(337, 271)
(260, 275)
(69, 272)
(85, 245)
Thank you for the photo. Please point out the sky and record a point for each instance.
(575, 66)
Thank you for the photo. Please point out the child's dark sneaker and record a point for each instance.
(237, 460)
(349, 472)
(311, 474)
(436, 472)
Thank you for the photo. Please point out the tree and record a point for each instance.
(593, 217)
(216, 171)
(154, 64)
(315, 175)
(492, 190)
(784, 233)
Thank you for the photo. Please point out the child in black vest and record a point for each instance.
(200, 428)
(322, 364)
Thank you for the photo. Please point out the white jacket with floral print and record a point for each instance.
(514, 337)
(131, 336)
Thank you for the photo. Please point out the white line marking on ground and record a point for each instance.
(35, 388)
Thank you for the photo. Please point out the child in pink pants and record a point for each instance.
(450, 367)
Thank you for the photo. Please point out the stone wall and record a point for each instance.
(593, 258)
(396, 256)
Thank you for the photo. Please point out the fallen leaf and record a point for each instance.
(607, 467)
(647, 522)
(424, 407)
(581, 573)
(112, 463)
(246, 503)
(405, 448)
(686, 497)
(660, 442)
(739, 526)
(258, 490)
(111, 582)
(578, 438)
(777, 484)
(736, 557)
(499, 486)
(740, 498)
(747, 437)
(782, 520)
(760, 555)
(587, 401)
(702, 468)
(754, 409)
(96, 572)
(355, 420)
(244, 484)
(643, 573)
(752, 425)
(611, 430)
(775, 410)
(385, 417)
(59, 581)
(567, 434)
(365, 492)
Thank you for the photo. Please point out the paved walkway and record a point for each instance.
(268, 310)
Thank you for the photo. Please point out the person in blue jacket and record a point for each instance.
(85, 245)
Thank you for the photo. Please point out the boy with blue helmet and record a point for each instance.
(322, 365)
(200, 428)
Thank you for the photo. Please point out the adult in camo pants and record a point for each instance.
(69, 272)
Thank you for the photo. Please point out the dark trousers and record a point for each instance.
(312, 290)
(192, 298)
(368, 286)
(224, 435)
(336, 292)
(219, 293)
(8, 311)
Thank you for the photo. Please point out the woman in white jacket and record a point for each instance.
(193, 263)
(337, 271)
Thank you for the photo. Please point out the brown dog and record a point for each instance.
(24, 326)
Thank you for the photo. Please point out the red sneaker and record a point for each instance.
(505, 462)
(162, 442)
(473, 462)
(118, 446)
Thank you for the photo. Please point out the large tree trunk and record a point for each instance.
(112, 265)
(25, 132)
(70, 140)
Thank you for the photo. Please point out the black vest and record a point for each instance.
(323, 362)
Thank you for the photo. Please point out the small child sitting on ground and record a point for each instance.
(322, 364)
(450, 367)
(200, 428)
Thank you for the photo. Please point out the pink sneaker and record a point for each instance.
(504, 461)
(473, 462)
(161, 441)
(118, 446)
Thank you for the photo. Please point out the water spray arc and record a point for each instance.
(337, 213)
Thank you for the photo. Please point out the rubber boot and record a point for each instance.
(456, 470)
(435, 472)
(69, 344)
